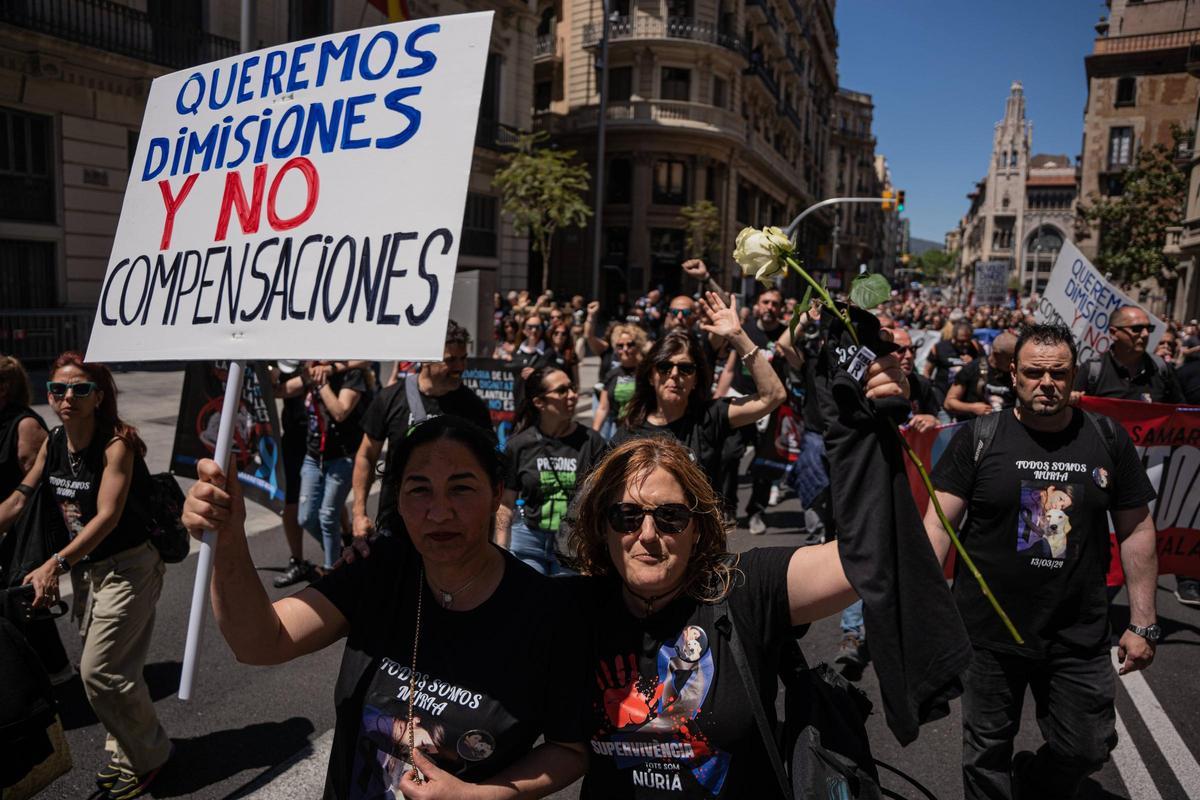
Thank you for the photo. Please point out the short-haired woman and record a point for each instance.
(628, 344)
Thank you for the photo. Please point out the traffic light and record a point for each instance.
(900, 201)
(887, 200)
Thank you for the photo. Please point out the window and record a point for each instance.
(718, 92)
(546, 22)
(541, 95)
(679, 8)
(26, 167)
(616, 246)
(620, 84)
(676, 84)
(1126, 91)
(743, 203)
(489, 103)
(1120, 147)
(479, 226)
(26, 274)
(620, 8)
(309, 18)
(670, 183)
(710, 184)
(1012, 159)
(619, 186)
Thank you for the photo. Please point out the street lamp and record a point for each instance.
(598, 216)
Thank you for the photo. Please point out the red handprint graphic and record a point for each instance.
(624, 703)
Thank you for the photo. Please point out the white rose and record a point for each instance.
(759, 253)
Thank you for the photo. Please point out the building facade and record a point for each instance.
(1139, 90)
(1022, 211)
(859, 234)
(74, 78)
(722, 100)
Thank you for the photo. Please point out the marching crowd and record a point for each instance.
(592, 554)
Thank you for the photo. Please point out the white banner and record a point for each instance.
(1078, 296)
(991, 283)
(303, 201)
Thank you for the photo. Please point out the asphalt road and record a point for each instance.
(262, 731)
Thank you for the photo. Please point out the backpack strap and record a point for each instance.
(724, 624)
(981, 384)
(1093, 375)
(412, 392)
(983, 430)
(1104, 426)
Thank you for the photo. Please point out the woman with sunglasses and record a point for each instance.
(442, 630)
(673, 397)
(547, 457)
(562, 344)
(93, 466)
(629, 343)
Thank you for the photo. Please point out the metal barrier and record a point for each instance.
(39, 335)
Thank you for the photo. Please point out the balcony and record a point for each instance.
(493, 135)
(1174, 241)
(1146, 41)
(758, 68)
(545, 47)
(666, 113)
(794, 57)
(768, 12)
(116, 28)
(642, 28)
(794, 117)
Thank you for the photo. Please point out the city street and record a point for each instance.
(265, 732)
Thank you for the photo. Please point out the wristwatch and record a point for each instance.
(63, 565)
(1151, 633)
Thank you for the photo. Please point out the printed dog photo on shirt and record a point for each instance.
(1044, 522)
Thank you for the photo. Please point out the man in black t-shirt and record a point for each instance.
(1037, 493)
(926, 400)
(439, 389)
(984, 385)
(948, 357)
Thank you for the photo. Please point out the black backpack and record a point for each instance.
(983, 430)
(161, 506)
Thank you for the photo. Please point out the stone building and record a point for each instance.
(724, 100)
(1022, 211)
(1139, 88)
(859, 227)
(74, 77)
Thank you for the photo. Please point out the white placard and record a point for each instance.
(1078, 296)
(302, 201)
(991, 283)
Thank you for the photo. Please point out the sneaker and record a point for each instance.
(106, 777)
(1187, 592)
(758, 526)
(127, 785)
(773, 498)
(852, 651)
(297, 571)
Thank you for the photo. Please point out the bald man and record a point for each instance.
(1127, 371)
(985, 385)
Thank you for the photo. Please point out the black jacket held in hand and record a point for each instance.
(918, 641)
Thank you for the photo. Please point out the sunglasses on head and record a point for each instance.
(668, 518)
(1135, 329)
(685, 368)
(81, 389)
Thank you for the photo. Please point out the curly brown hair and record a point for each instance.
(710, 570)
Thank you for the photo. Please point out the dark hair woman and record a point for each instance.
(93, 465)
(546, 459)
(426, 619)
(508, 338)
(563, 344)
(673, 398)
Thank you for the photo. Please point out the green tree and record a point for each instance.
(702, 225)
(938, 265)
(1133, 225)
(543, 191)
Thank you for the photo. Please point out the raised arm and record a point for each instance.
(722, 320)
(258, 632)
(594, 342)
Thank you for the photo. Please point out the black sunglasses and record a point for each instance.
(1135, 329)
(668, 518)
(685, 368)
(679, 312)
(81, 389)
(562, 391)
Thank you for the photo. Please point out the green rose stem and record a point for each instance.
(823, 294)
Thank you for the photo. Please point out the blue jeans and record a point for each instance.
(535, 547)
(324, 486)
(852, 620)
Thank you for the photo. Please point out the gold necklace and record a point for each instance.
(417, 777)
(447, 598)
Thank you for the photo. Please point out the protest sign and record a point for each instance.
(991, 283)
(493, 380)
(301, 201)
(256, 437)
(1078, 296)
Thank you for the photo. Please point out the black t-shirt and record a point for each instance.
(702, 431)
(1037, 528)
(490, 681)
(947, 360)
(1189, 381)
(521, 359)
(743, 383)
(76, 486)
(996, 389)
(619, 384)
(925, 397)
(1150, 383)
(388, 418)
(544, 471)
(670, 713)
(327, 438)
(11, 472)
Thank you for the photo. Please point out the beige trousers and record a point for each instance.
(118, 621)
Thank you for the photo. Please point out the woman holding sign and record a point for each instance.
(435, 675)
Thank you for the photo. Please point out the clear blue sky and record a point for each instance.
(939, 72)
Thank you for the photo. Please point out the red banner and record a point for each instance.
(1168, 440)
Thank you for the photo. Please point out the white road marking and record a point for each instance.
(1179, 758)
(1133, 770)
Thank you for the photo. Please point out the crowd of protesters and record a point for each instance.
(613, 663)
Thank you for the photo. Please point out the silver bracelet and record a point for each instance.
(751, 354)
